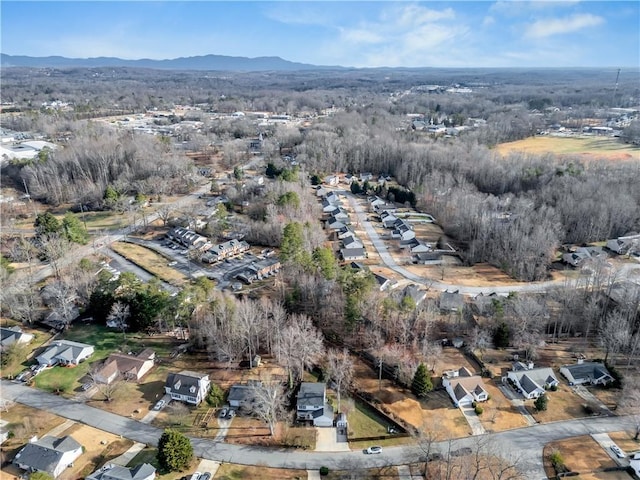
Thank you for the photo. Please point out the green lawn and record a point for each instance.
(364, 422)
(105, 342)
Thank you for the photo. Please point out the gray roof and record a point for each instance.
(66, 350)
(117, 472)
(45, 454)
(591, 370)
(451, 301)
(348, 253)
(182, 382)
(311, 394)
(240, 393)
(9, 335)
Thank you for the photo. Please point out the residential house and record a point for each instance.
(332, 180)
(348, 179)
(532, 382)
(259, 270)
(415, 246)
(50, 455)
(581, 254)
(225, 250)
(345, 232)
(328, 206)
(11, 335)
(242, 396)
(348, 254)
(623, 245)
(333, 223)
(187, 238)
(451, 301)
(428, 258)
(366, 177)
(65, 352)
(388, 219)
(375, 200)
(385, 207)
(312, 405)
(464, 388)
(129, 367)
(403, 231)
(111, 471)
(382, 281)
(333, 198)
(415, 293)
(339, 213)
(188, 387)
(352, 242)
(593, 373)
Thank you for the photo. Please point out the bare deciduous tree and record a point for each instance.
(269, 401)
(339, 368)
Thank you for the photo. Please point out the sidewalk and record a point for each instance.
(124, 459)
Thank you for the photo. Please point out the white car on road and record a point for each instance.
(374, 449)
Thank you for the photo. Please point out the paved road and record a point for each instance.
(524, 443)
(387, 259)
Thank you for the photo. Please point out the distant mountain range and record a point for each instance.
(202, 62)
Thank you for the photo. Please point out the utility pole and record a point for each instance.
(380, 374)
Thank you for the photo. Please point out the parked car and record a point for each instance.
(159, 405)
(616, 449)
(231, 413)
(171, 264)
(205, 476)
(223, 412)
(374, 449)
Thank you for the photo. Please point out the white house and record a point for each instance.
(312, 405)
(10, 335)
(464, 388)
(586, 372)
(351, 241)
(621, 245)
(188, 387)
(65, 352)
(49, 454)
(349, 254)
(532, 382)
(111, 471)
(634, 462)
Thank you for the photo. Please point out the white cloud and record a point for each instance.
(559, 26)
(488, 21)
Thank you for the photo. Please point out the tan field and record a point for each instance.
(589, 148)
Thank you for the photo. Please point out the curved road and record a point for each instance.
(524, 444)
(380, 246)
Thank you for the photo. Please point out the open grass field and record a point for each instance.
(149, 260)
(498, 413)
(564, 404)
(588, 147)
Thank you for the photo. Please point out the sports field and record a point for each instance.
(591, 148)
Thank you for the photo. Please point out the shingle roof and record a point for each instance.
(183, 382)
(311, 394)
(45, 454)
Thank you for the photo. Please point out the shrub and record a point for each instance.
(541, 403)
(553, 388)
(557, 461)
(215, 397)
(474, 404)
(324, 471)
(478, 409)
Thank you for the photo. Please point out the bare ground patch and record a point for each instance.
(580, 454)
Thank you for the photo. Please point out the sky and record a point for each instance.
(565, 33)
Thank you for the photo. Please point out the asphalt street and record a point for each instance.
(523, 445)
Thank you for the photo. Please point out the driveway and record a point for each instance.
(473, 420)
(604, 440)
(518, 403)
(585, 394)
(525, 442)
(148, 418)
(224, 424)
(327, 440)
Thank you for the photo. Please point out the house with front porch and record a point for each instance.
(312, 406)
(189, 387)
(464, 388)
(531, 382)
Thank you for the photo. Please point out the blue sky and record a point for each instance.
(564, 33)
